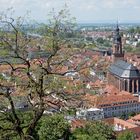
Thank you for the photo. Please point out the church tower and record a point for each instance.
(118, 53)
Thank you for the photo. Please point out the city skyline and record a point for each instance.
(91, 11)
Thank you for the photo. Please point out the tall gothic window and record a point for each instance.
(130, 86)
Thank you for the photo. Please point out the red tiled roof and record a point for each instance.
(114, 121)
(110, 89)
(77, 123)
(116, 99)
(135, 120)
(104, 100)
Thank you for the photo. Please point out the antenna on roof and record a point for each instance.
(117, 23)
(117, 27)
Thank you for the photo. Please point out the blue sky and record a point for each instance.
(85, 11)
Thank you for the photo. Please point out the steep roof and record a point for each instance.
(114, 121)
(124, 69)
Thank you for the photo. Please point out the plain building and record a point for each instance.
(90, 114)
(119, 104)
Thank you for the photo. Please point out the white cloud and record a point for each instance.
(83, 9)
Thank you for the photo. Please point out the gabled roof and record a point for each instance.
(124, 69)
(114, 121)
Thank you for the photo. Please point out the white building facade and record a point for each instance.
(122, 108)
(90, 114)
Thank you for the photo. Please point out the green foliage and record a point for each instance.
(89, 39)
(107, 44)
(93, 92)
(133, 30)
(41, 29)
(71, 111)
(136, 50)
(100, 40)
(104, 42)
(48, 128)
(91, 46)
(128, 48)
(133, 50)
(6, 124)
(4, 52)
(53, 128)
(123, 116)
(138, 44)
(94, 131)
(131, 114)
(127, 135)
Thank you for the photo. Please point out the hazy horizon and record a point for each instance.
(91, 11)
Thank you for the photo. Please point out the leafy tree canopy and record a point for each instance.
(53, 128)
(127, 135)
(94, 131)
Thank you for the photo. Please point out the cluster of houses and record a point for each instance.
(97, 34)
(110, 85)
(131, 39)
(121, 95)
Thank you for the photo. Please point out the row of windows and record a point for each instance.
(128, 110)
(123, 107)
(118, 113)
(94, 118)
(93, 113)
(128, 102)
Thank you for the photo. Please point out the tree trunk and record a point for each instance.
(31, 129)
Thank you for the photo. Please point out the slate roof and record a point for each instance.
(38, 54)
(10, 60)
(124, 69)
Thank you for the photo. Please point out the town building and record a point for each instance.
(119, 124)
(135, 120)
(120, 104)
(123, 75)
(90, 114)
(113, 105)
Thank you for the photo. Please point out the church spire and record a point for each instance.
(117, 27)
(117, 37)
(117, 44)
